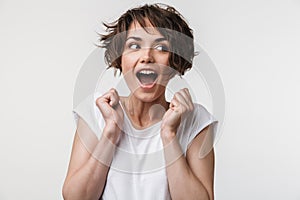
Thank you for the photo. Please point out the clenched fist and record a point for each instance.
(179, 105)
(112, 113)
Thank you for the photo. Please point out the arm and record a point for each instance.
(189, 177)
(90, 160)
(86, 175)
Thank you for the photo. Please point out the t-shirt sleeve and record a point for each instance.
(196, 121)
(88, 111)
(201, 119)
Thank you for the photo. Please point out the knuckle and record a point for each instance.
(113, 90)
(98, 100)
(186, 108)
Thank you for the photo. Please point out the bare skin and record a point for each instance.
(188, 177)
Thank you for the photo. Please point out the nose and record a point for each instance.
(147, 56)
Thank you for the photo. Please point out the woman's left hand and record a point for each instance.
(179, 105)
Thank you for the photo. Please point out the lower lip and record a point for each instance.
(150, 86)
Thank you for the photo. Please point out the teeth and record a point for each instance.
(147, 72)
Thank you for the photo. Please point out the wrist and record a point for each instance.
(167, 135)
(112, 131)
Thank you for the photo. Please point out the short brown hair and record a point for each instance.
(168, 21)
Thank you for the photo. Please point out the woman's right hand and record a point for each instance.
(112, 113)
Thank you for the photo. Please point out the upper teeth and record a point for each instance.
(147, 72)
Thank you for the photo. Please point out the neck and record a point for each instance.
(143, 114)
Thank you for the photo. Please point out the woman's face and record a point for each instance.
(145, 62)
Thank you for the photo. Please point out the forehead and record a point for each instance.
(135, 29)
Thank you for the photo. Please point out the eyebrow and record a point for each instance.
(140, 39)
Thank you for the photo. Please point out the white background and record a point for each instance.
(254, 44)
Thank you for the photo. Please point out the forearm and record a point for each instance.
(88, 182)
(183, 184)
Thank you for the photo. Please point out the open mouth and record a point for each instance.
(147, 77)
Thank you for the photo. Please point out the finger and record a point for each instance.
(176, 105)
(181, 99)
(110, 97)
(104, 107)
(103, 99)
(107, 98)
(188, 98)
(114, 98)
(187, 91)
(113, 90)
(185, 97)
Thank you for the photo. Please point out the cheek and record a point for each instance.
(127, 62)
(163, 60)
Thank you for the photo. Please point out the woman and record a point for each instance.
(148, 148)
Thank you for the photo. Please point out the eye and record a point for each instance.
(134, 46)
(161, 47)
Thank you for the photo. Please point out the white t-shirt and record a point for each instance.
(138, 167)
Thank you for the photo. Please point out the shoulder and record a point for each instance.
(88, 111)
(202, 111)
(199, 117)
(194, 123)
